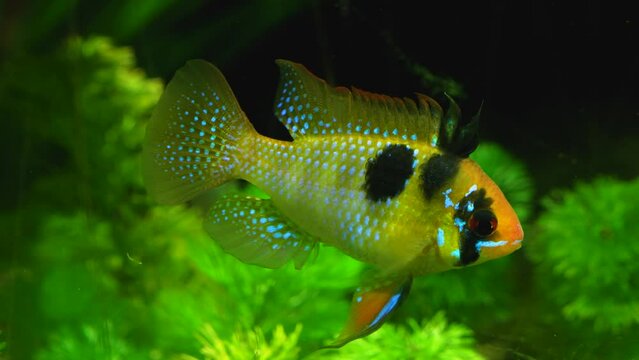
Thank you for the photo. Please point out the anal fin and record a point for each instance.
(371, 306)
(255, 232)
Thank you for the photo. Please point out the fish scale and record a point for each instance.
(318, 183)
(386, 180)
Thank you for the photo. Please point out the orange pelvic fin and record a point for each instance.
(371, 306)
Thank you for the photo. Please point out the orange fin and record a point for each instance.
(371, 306)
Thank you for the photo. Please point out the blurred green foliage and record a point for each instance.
(96, 271)
(586, 248)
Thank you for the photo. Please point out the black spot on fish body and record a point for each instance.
(387, 173)
(438, 171)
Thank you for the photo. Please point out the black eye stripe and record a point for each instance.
(468, 252)
(437, 172)
(387, 173)
(479, 201)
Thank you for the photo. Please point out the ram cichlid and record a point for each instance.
(385, 180)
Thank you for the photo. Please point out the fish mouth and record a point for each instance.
(518, 236)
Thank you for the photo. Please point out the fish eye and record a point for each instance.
(483, 222)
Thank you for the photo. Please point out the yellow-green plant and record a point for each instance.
(434, 339)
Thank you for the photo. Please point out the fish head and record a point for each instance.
(478, 223)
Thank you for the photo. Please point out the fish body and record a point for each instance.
(385, 180)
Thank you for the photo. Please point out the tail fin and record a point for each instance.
(193, 140)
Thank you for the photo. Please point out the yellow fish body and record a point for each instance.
(385, 180)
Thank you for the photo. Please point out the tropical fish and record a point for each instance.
(385, 180)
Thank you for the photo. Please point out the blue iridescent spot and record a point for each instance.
(447, 201)
(388, 307)
(440, 237)
(481, 244)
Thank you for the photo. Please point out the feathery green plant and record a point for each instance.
(249, 345)
(431, 339)
(587, 256)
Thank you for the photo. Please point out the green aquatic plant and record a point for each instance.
(433, 339)
(249, 345)
(587, 256)
(88, 342)
(267, 298)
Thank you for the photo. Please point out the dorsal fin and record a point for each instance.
(306, 105)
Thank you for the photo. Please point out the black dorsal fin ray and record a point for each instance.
(455, 136)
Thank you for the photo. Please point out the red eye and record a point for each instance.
(483, 223)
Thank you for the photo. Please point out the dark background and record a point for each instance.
(559, 79)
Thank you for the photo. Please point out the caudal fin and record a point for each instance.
(194, 138)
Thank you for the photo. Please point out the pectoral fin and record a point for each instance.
(371, 306)
(254, 231)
